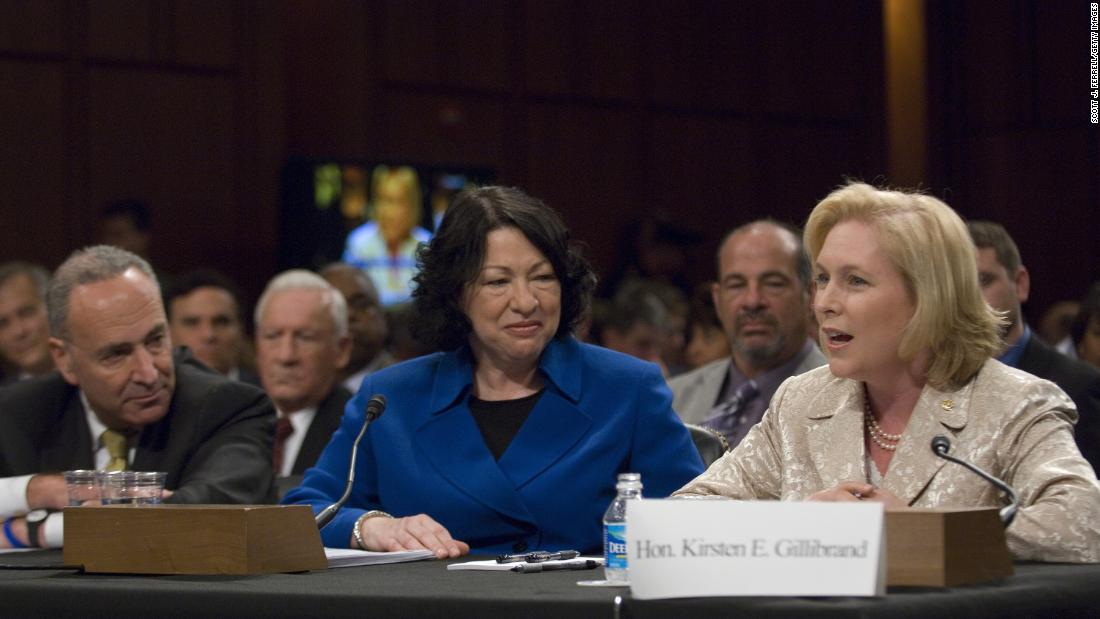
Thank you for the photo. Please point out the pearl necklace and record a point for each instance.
(889, 442)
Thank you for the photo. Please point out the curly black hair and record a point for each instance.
(453, 259)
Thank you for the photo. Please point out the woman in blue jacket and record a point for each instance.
(513, 439)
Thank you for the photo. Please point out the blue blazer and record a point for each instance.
(602, 413)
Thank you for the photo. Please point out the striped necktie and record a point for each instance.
(725, 417)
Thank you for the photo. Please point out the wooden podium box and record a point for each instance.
(945, 547)
(193, 539)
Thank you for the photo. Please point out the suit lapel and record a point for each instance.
(68, 444)
(451, 441)
(836, 438)
(324, 424)
(914, 465)
(552, 429)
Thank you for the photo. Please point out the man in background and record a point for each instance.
(204, 314)
(1006, 285)
(762, 298)
(126, 224)
(122, 401)
(301, 345)
(24, 330)
(366, 323)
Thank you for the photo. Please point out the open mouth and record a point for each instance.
(836, 337)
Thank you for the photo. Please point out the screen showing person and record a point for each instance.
(385, 247)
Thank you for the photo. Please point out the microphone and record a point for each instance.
(375, 407)
(941, 445)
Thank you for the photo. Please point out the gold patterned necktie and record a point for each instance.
(115, 442)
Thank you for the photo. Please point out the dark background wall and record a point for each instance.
(711, 113)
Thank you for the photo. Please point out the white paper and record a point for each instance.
(678, 548)
(492, 566)
(347, 557)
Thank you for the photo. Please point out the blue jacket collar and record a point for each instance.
(559, 364)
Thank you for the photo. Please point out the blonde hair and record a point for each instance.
(929, 245)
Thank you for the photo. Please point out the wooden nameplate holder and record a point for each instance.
(193, 539)
(945, 547)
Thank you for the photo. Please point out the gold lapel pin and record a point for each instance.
(947, 404)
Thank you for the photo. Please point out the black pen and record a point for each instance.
(539, 556)
(531, 568)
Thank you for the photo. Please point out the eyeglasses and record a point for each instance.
(539, 556)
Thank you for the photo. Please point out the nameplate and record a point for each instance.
(698, 548)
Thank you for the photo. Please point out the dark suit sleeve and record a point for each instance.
(231, 462)
(1087, 430)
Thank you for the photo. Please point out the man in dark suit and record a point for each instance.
(204, 314)
(122, 400)
(302, 343)
(1006, 285)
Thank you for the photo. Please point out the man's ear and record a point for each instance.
(63, 359)
(343, 355)
(1023, 284)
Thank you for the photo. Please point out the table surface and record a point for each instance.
(427, 589)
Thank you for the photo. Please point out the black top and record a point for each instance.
(500, 420)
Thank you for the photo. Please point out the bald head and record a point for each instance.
(762, 295)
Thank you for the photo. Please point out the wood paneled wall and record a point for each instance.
(1012, 140)
(712, 112)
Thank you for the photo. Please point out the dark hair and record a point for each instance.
(638, 301)
(992, 235)
(185, 284)
(453, 259)
(134, 210)
(38, 275)
(1090, 308)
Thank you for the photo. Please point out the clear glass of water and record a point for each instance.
(82, 486)
(131, 487)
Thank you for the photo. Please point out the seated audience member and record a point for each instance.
(763, 301)
(910, 343)
(24, 330)
(122, 401)
(1085, 330)
(204, 314)
(301, 345)
(1006, 285)
(1054, 326)
(706, 341)
(513, 438)
(126, 224)
(366, 323)
(634, 324)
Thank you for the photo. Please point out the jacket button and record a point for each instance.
(519, 546)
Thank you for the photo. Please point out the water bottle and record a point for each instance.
(614, 528)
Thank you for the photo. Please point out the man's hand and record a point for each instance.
(47, 492)
(411, 533)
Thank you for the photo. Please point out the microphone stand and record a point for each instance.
(941, 445)
(375, 408)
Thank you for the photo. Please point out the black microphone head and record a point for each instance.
(941, 444)
(376, 406)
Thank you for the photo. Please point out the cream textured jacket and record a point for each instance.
(1016, 426)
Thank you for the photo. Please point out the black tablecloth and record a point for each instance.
(427, 589)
